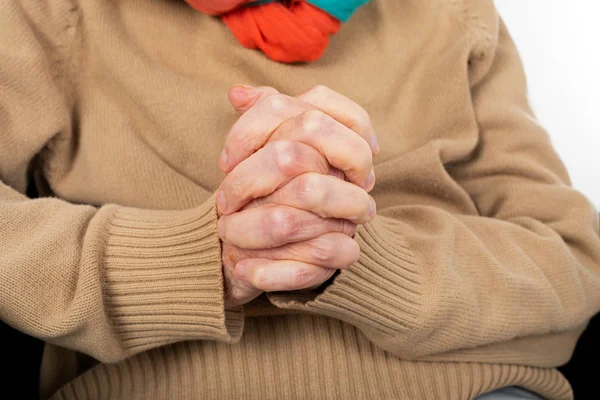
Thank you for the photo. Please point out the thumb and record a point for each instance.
(243, 97)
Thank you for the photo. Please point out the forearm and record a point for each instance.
(113, 281)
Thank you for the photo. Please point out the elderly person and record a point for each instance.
(284, 200)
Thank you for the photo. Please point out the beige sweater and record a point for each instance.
(480, 270)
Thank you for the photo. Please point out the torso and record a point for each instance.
(160, 92)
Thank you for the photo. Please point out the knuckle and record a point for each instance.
(281, 225)
(262, 279)
(313, 121)
(309, 190)
(244, 140)
(323, 250)
(237, 188)
(287, 156)
(320, 91)
(277, 102)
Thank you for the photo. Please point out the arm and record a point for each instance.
(514, 281)
(109, 281)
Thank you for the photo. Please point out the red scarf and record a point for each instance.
(290, 31)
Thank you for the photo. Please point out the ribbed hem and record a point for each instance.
(380, 293)
(300, 357)
(163, 278)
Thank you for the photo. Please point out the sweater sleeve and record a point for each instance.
(514, 281)
(109, 281)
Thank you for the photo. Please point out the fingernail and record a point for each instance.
(223, 158)
(375, 144)
(372, 208)
(244, 87)
(221, 229)
(242, 94)
(241, 271)
(370, 180)
(247, 87)
(222, 201)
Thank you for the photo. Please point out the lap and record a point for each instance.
(509, 393)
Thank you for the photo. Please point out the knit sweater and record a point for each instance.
(480, 270)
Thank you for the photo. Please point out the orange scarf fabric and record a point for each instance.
(289, 32)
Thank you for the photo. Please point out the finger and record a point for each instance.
(342, 147)
(330, 250)
(254, 127)
(272, 226)
(243, 97)
(326, 196)
(236, 291)
(265, 109)
(343, 110)
(266, 170)
(276, 275)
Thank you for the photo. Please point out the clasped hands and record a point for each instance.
(299, 170)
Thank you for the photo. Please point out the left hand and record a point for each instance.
(306, 186)
(298, 235)
(334, 125)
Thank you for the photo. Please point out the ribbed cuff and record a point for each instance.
(163, 278)
(380, 293)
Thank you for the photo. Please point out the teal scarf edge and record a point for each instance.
(332, 7)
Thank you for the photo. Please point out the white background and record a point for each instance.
(559, 42)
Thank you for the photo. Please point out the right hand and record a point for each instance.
(296, 223)
(307, 259)
(297, 236)
(340, 129)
